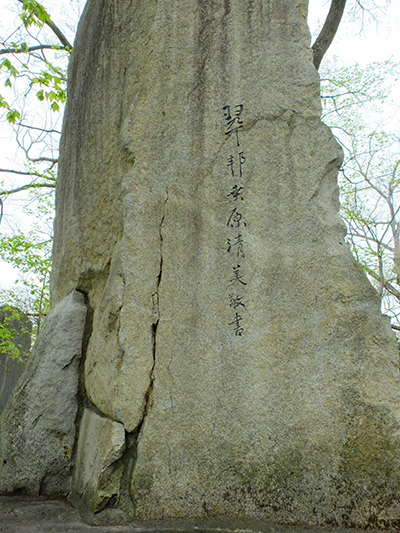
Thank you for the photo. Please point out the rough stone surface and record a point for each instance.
(98, 468)
(45, 516)
(37, 432)
(12, 369)
(233, 335)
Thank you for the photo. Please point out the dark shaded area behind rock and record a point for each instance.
(11, 369)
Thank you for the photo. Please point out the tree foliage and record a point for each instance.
(33, 68)
(30, 253)
(33, 90)
(370, 176)
(15, 326)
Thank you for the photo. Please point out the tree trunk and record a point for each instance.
(328, 32)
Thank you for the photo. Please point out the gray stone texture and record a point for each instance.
(46, 516)
(22, 515)
(234, 336)
(12, 368)
(98, 471)
(37, 432)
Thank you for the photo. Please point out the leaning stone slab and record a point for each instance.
(37, 429)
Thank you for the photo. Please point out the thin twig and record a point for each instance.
(20, 172)
(26, 50)
(29, 186)
(388, 286)
(40, 159)
(39, 129)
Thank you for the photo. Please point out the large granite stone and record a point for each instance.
(234, 336)
(37, 432)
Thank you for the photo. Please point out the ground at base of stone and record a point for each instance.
(19, 515)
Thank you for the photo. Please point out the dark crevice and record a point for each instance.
(159, 275)
(83, 400)
(132, 440)
(148, 399)
(154, 327)
(121, 499)
(129, 460)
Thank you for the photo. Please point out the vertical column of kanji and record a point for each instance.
(236, 223)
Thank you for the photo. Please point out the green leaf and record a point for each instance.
(12, 116)
(33, 14)
(3, 103)
(6, 63)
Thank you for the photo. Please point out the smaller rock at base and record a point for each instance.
(37, 431)
(98, 469)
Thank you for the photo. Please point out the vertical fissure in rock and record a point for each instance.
(83, 400)
(156, 313)
(128, 460)
(133, 438)
(121, 498)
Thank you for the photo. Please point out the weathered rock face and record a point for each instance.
(37, 431)
(99, 466)
(234, 338)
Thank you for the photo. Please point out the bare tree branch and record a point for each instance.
(63, 40)
(21, 173)
(355, 233)
(328, 32)
(38, 129)
(388, 286)
(26, 50)
(29, 186)
(41, 159)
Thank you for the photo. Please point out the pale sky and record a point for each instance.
(358, 41)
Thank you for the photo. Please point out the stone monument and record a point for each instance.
(237, 363)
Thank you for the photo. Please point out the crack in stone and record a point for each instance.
(121, 499)
(126, 460)
(156, 311)
(133, 438)
(82, 398)
(124, 500)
